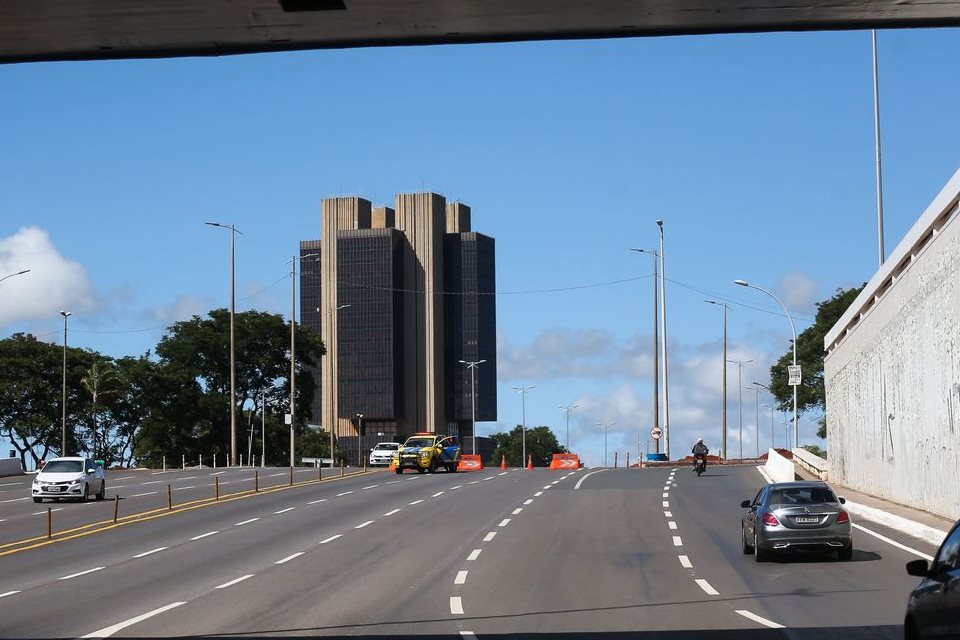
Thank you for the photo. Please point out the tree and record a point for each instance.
(103, 383)
(811, 394)
(541, 445)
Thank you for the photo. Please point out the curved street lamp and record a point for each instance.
(18, 273)
(793, 331)
(472, 365)
(567, 409)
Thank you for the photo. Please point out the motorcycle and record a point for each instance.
(700, 463)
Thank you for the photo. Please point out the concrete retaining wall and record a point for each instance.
(10, 467)
(812, 463)
(779, 468)
(892, 371)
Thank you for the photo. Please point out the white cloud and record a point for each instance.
(183, 307)
(799, 291)
(53, 283)
(559, 353)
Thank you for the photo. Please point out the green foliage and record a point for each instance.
(811, 394)
(541, 444)
(815, 450)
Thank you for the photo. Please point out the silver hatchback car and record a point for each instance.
(72, 477)
(796, 515)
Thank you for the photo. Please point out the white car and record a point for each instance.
(73, 477)
(383, 453)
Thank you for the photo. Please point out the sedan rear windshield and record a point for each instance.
(63, 466)
(801, 495)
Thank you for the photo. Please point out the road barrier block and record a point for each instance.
(470, 462)
(565, 461)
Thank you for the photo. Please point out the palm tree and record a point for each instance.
(101, 381)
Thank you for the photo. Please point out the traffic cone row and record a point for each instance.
(530, 463)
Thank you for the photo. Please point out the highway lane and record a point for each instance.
(346, 530)
(139, 491)
(514, 555)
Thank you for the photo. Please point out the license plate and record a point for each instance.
(54, 489)
(806, 520)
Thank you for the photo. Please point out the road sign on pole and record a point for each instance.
(656, 433)
(793, 370)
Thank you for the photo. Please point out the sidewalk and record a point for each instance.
(914, 522)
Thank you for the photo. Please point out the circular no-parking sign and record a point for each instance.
(656, 432)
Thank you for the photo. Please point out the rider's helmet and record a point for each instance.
(699, 440)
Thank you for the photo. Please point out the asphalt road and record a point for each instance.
(538, 554)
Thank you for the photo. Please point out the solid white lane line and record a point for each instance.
(276, 513)
(316, 501)
(14, 500)
(437, 494)
(666, 505)
(709, 590)
(151, 552)
(667, 514)
(193, 486)
(82, 573)
(106, 632)
(474, 555)
(345, 493)
(390, 513)
(153, 482)
(516, 511)
(504, 522)
(373, 486)
(205, 535)
(672, 524)
(331, 538)
(530, 501)
(240, 524)
(415, 502)
(894, 543)
(363, 524)
(677, 542)
(456, 605)
(685, 562)
(538, 494)
(461, 578)
(580, 481)
(140, 495)
(290, 557)
(234, 581)
(756, 618)
(489, 536)
(8, 593)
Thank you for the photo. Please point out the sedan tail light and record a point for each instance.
(843, 517)
(770, 520)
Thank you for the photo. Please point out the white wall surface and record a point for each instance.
(779, 468)
(893, 375)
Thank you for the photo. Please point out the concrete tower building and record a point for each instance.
(420, 288)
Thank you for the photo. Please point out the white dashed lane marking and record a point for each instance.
(205, 535)
(331, 538)
(289, 558)
(667, 514)
(415, 502)
(316, 501)
(461, 578)
(538, 494)
(489, 536)
(672, 524)
(240, 524)
(234, 581)
(345, 493)
(81, 573)
(474, 555)
(528, 501)
(685, 562)
(437, 494)
(109, 631)
(666, 505)
(756, 618)
(363, 524)
(677, 542)
(276, 513)
(516, 511)
(151, 552)
(140, 495)
(504, 522)
(8, 593)
(373, 486)
(390, 513)
(456, 605)
(709, 590)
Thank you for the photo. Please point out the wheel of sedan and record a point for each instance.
(747, 549)
(86, 493)
(845, 553)
(38, 499)
(759, 553)
(103, 490)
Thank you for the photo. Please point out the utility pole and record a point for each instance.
(663, 332)
(523, 394)
(63, 398)
(656, 346)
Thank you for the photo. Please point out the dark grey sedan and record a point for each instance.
(933, 610)
(795, 515)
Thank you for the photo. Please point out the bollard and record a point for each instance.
(341, 468)
(615, 459)
(241, 461)
(184, 462)
(256, 481)
(49, 523)
(216, 488)
(169, 498)
(214, 461)
(116, 507)
(291, 476)
(164, 464)
(628, 460)
(200, 465)
(319, 472)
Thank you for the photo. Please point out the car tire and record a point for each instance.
(421, 470)
(747, 549)
(433, 466)
(759, 553)
(86, 493)
(398, 471)
(845, 553)
(910, 630)
(103, 490)
(38, 499)
(452, 468)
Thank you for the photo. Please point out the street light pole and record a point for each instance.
(606, 427)
(771, 407)
(523, 438)
(567, 409)
(293, 345)
(663, 332)
(724, 413)
(740, 364)
(758, 384)
(793, 332)
(472, 365)
(233, 312)
(656, 346)
(18, 273)
(757, 425)
(332, 443)
(63, 398)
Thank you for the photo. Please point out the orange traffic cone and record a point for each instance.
(503, 462)
(530, 462)
(391, 467)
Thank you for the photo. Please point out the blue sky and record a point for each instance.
(756, 151)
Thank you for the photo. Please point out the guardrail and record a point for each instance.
(812, 463)
(779, 468)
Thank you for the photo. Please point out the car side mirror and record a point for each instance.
(745, 504)
(918, 568)
(842, 500)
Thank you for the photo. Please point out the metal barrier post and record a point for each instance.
(116, 507)
(291, 476)
(216, 488)
(49, 523)
(169, 498)
(256, 481)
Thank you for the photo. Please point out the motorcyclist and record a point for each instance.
(699, 448)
